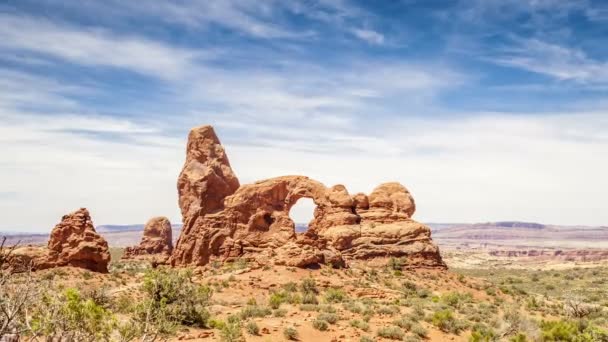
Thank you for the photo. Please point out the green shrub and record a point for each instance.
(419, 330)
(388, 310)
(173, 295)
(279, 313)
(366, 339)
(290, 333)
(230, 331)
(333, 295)
(254, 311)
(252, 328)
(309, 307)
(355, 323)
(482, 333)
(309, 285)
(392, 333)
(309, 298)
(445, 321)
(330, 318)
(320, 325)
(403, 323)
(68, 316)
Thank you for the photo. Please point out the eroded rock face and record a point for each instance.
(73, 242)
(252, 221)
(157, 241)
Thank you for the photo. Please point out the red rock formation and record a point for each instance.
(157, 241)
(73, 242)
(252, 221)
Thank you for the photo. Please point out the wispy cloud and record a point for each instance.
(95, 47)
(562, 63)
(369, 36)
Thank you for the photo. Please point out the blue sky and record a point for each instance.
(484, 109)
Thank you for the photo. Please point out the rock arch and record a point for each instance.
(252, 221)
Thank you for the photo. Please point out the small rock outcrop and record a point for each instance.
(224, 221)
(73, 242)
(157, 241)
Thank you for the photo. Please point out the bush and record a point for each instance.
(330, 318)
(252, 328)
(355, 323)
(254, 311)
(309, 285)
(333, 295)
(279, 313)
(309, 298)
(482, 333)
(392, 333)
(571, 331)
(419, 330)
(230, 331)
(446, 322)
(320, 325)
(366, 339)
(290, 333)
(309, 307)
(403, 323)
(68, 316)
(174, 295)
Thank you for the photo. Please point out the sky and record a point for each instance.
(485, 110)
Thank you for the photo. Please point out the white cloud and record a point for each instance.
(95, 47)
(560, 62)
(369, 36)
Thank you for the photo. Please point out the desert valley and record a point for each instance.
(361, 270)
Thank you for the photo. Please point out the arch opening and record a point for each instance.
(301, 213)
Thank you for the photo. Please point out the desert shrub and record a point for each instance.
(309, 285)
(455, 299)
(366, 339)
(353, 307)
(330, 318)
(230, 331)
(320, 325)
(309, 298)
(392, 333)
(290, 333)
(571, 331)
(278, 298)
(99, 296)
(309, 307)
(327, 308)
(175, 296)
(290, 287)
(395, 264)
(68, 316)
(482, 333)
(252, 328)
(355, 323)
(445, 321)
(403, 323)
(333, 295)
(254, 311)
(279, 313)
(388, 310)
(419, 330)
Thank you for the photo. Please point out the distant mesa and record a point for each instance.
(156, 242)
(73, 242)
(225, 221)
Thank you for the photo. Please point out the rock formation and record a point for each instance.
(223, 221)
(73, 242)
(157, 241)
